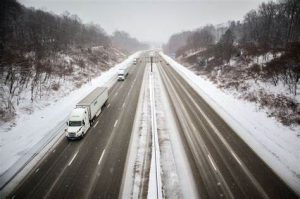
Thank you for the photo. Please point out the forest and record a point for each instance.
(264, 47)
(39, 48)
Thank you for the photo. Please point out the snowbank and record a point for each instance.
(276, 144)
(33, 132)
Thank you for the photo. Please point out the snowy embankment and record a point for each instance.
(33, 133)
(276, 144)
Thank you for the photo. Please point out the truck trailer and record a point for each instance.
(86, 112)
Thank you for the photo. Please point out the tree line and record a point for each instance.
(26, 29)
(274, 25)
(272, 28)
(127, 43)
(32, 41)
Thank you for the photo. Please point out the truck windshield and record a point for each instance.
(74, 123)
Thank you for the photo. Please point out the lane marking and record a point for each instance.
(212, 162)
(108, 105)
(101, 157)
(116, 122)
(37, 170)
(96, 124)
(116, 93)
(237, 159)
(123, 105)
(53, 151)
(73, 158)
(222, 139)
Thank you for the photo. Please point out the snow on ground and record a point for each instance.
(155, 189)
(136, 176)
(265, 58)
(24, 139)
(276, 144)
(175, 172)
(177, 176)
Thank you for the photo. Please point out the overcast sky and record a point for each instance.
(149, 20)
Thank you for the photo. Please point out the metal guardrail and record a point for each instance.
(155, 144)
(53, 135)
(30, 154)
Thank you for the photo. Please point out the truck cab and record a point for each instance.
(78, 123)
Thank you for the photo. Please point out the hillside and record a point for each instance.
(256, 60)
(44, 56)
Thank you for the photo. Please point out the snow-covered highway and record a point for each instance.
(224, 165)
(197, 154)
(94, 165)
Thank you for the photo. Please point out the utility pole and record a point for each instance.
(151, 60)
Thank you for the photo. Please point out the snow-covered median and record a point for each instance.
(276, 144)
(33, 132)
(162, 171)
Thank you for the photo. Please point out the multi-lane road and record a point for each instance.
(91, 167)
(223, 165)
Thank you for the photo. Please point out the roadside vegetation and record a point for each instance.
(258, 59)
(42, 53)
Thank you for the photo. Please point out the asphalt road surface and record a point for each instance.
(223, 164)
(91, 167)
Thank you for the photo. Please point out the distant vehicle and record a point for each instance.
(122, 74)
(85, 113)
(135, 61)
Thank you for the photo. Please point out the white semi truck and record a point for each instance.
(122, 73)
(85, 113)
(135, 61)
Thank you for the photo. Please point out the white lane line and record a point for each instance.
(212, 162)
(108, 105)
(73, 158)
(101, 157)
(116, 122)
(96, 124)
(53, 151)
(237, 159)
(37, 170)
(116, 93)
(123, 105)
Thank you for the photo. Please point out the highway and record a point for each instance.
(91, 167)
(224, 166)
